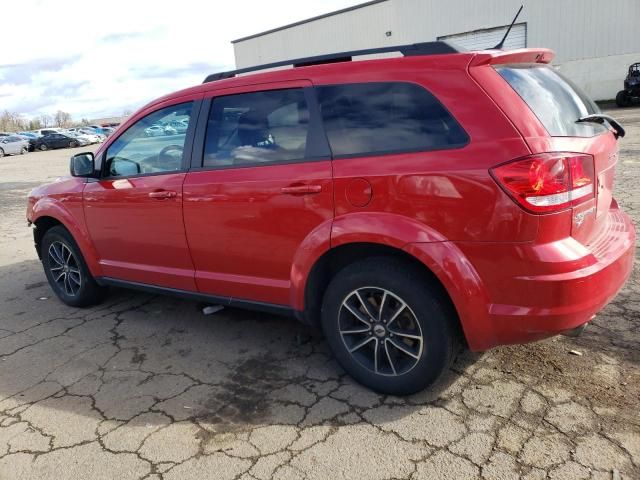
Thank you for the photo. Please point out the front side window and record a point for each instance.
(151, 145)
(257, 128)
(390, 117)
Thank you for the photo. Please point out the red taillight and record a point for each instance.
(548, 182)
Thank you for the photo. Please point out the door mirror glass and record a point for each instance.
(122, 167)
(82, 165)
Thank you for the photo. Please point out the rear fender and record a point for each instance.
(441, 257)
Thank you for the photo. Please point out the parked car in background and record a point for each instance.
(47, 131)
(56, 140)
(97, 137)
(178, 125)
(30, 140)
(159, 130)
(89, 133)
(29, 134)
(13, 145)
(108, 130)
(82, 139)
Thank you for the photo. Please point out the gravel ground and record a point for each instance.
(146, 387)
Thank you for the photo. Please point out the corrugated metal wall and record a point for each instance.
(575, 29)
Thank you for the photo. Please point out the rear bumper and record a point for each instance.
(566, 284)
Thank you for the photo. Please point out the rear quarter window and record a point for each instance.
(554, 99)
(390, 117)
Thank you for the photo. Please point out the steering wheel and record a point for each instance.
(170, 155)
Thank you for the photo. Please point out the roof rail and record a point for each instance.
(426, 48)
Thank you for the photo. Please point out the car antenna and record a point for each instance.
(506, 34)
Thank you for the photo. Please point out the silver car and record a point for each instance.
(13, 145)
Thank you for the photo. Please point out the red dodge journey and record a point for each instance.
(405, 205)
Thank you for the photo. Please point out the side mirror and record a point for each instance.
(82, 165)
(122, 167)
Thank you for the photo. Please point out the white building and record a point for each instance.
(594, 40)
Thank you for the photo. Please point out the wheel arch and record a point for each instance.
(337, 258)
(48, 214)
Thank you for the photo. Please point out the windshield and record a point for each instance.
(554, 99)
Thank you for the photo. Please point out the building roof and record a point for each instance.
(309, 20)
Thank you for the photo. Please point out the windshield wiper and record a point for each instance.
(601, 118)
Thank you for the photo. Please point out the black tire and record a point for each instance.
(43, 147)
(23, 150)
(426, 312)
(1, 153)
(73, 144)
(622, 99)
(88, 292)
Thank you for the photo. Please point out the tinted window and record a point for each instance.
(150, 145)
(556, 101)
(256, 128)
(376, 118)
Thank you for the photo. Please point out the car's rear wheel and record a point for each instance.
(43, 147)
(1, 153)
(23, 150)
(388, 326)
(73, 144)
(67, 271)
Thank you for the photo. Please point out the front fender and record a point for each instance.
(68, 211)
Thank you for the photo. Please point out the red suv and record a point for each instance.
(405, 205)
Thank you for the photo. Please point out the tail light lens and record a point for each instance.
(548, 182)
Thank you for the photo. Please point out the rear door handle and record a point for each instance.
(301, 189)
(163, 194)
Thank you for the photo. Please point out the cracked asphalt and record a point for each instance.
(147, 387)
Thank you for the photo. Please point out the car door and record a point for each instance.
(61, 141)
(134, 211)
(261, 185)
(11, 145)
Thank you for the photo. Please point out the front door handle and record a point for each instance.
(301, 189)
(163, 194)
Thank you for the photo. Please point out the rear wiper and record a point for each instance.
(600, 118)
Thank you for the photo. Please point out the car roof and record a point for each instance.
(336, 72)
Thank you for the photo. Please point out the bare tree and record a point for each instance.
(35, 124)
(84, 122)
(11, 122)
(62, 119)
(46, 120)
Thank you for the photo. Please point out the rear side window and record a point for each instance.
(379, 118)
(554, 99)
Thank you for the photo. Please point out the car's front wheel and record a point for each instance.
(43, 147)
(388, 326)
(67, 271)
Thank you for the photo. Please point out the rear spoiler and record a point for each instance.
(523, 55)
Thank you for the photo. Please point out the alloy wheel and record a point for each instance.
(380, 331)
(64, 268)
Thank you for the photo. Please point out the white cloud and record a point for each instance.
(99, 58)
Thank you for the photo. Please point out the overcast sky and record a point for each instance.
(96, 59)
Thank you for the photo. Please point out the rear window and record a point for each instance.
(554, 99)
(379, 118)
